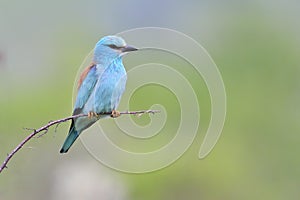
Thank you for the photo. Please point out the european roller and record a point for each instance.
(100, 86)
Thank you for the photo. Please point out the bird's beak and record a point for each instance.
(128, 48)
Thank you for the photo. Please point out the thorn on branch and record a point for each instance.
(29, 129)
(42, 134)
(55, 129)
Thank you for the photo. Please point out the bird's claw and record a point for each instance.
(92, 114)
(115, 114)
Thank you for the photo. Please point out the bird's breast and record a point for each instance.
(108, 90)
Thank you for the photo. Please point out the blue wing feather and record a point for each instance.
(85, 88)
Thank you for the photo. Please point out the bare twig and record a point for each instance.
(51, 123)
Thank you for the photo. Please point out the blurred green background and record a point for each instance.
(256, 47)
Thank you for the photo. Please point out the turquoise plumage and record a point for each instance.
(100, 86)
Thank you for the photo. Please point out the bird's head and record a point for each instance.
(111, 47)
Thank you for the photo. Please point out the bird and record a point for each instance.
(100, 86)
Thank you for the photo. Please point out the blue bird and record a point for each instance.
(100, 86)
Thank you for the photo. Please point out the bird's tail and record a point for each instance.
(72, 136)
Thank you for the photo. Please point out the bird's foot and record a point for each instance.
(115, 114)
(92, 114)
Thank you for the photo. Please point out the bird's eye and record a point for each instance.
(114, 46)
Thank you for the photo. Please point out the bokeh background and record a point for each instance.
(256, 46)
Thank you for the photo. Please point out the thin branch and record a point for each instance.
(51, 123)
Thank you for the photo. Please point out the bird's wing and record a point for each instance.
(86, 84)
